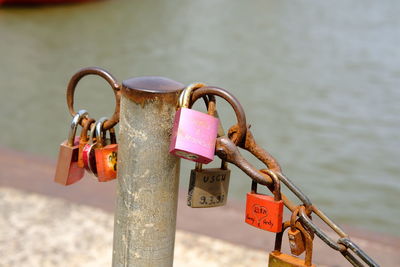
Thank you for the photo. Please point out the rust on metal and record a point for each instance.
(228, 151)
(146, 89)
(148, 176)
(105, 75)
(249, 144)
(284, 258)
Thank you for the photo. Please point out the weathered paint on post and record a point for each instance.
(148, 176)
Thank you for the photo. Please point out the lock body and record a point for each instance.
(83, 141)
(67, 170)
(264, 212)
(80, 162)
(193, 135)
(208, 188)
(89, 158)
(106, 162)
(296, 242)
(278, 259)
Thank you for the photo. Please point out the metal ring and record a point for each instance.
(322, 235)
(105, 75)
(240, 115)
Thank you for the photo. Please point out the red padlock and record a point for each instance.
(106, 155)
(263, 211)
(194, 133)
(67, 170)
(88, 154)
(84, 139)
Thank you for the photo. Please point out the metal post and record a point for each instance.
(148, 176)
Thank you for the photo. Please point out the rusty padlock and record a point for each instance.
(67, 170)
(279, 259)
(106, 154)
(296, 239)
(194, 133)
(84, 139)
(263, 211)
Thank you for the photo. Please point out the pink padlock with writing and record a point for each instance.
(194, 133)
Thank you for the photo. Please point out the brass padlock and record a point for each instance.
(209, 187)
(277, 258)
(296, 239)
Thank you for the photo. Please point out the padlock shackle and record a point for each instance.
(253, 187)
(307, 237)
(213, 112)
(199, 166)
(113, 136)
(276, 183)
(184, 97)
(74, 125)
(99, 131)
(85, 129)
(309, 243)
(293, 218)
(92, 134)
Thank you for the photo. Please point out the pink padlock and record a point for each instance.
(194, 133)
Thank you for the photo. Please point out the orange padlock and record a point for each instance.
(106, 154)
(263, 211)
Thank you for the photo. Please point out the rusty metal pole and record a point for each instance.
(148, 176)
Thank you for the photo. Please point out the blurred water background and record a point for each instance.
(319, 81)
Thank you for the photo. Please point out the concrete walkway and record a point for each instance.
(43, 231)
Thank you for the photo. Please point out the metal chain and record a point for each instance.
(240, 136)
(228, 151)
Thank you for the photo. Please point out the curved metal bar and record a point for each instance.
(295, 190)
(324, 237)
(353, 260)
(78, 117)
(228, 151)
(250, 144)
(105, 75)
(358, 251)
(232, 100)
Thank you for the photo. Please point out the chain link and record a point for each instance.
(228, 151)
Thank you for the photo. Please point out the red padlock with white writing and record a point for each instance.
(263, 211)
(106, 155)
(67, 170)
(194, 133)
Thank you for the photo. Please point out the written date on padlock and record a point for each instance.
(208, 188)
(211, 200)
